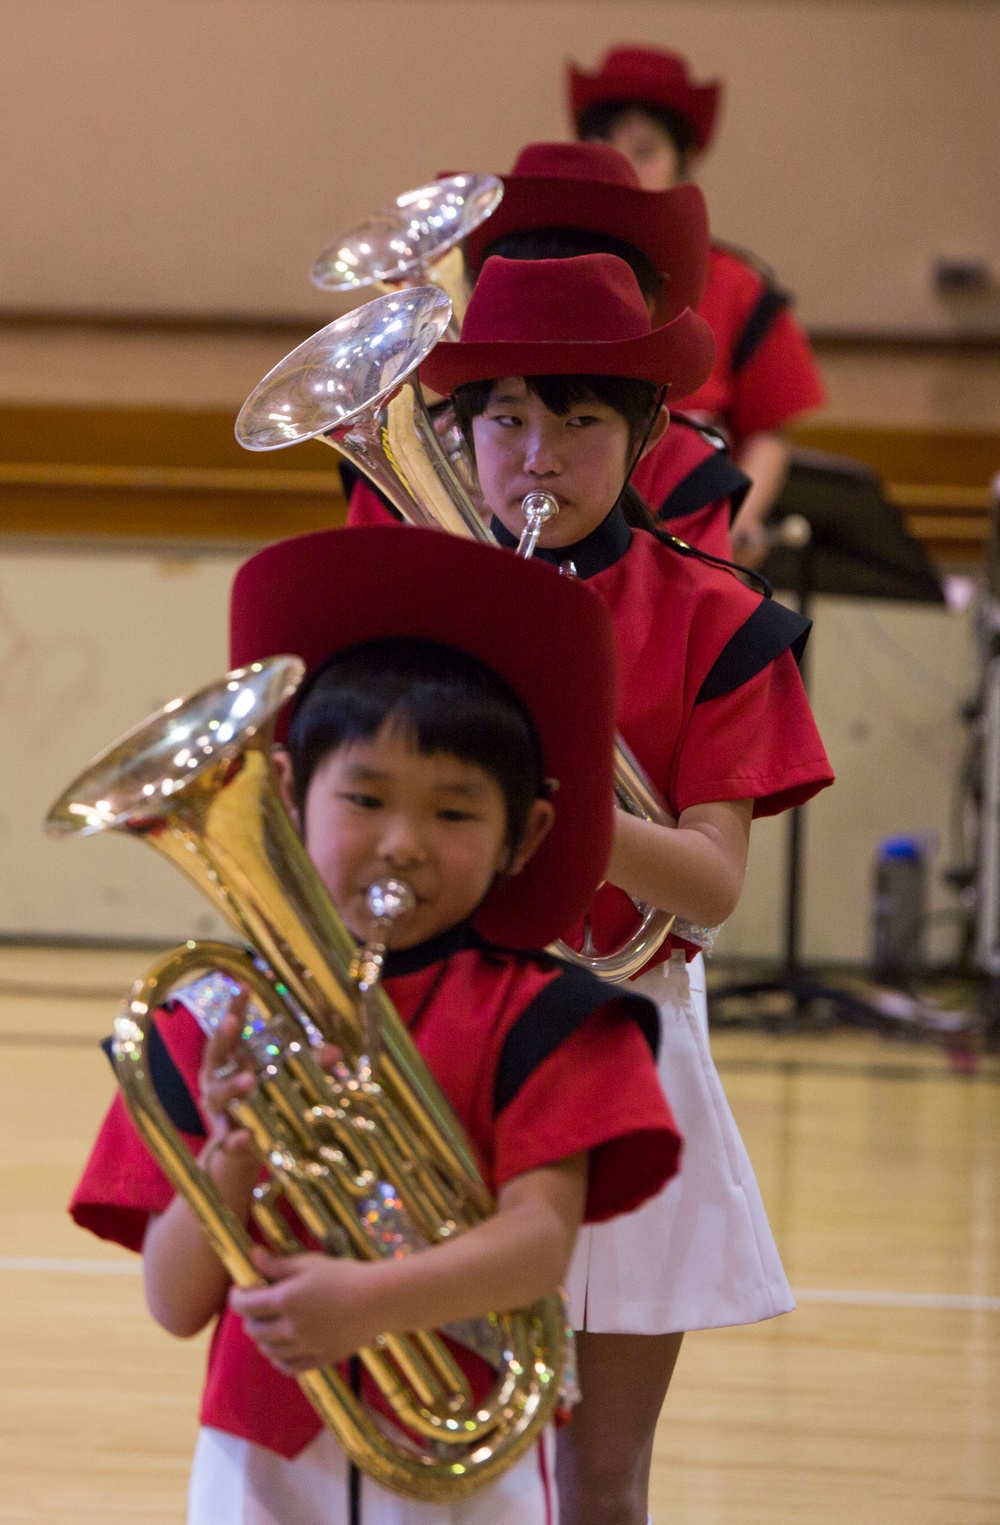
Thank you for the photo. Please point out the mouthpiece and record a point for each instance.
(539, 509)
(389, 899)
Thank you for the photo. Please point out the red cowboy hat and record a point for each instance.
(648, 77)
(547, 636)
(569, 317)
(593, 187)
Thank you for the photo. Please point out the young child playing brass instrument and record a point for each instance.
(443, 737)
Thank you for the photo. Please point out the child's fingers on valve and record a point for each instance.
(238, 1004)
(222, 1086)
(220, 1046)
(330, 1056)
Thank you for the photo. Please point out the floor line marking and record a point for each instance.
(861, 1298)
(71, 1267)
(844, 1296)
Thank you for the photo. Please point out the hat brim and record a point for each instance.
(669, 227)
(678, 356)
(547, 636)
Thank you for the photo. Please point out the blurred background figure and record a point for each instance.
(645, 103)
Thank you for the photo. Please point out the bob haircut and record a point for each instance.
(442, 700)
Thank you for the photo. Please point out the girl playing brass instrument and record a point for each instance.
(558, 380)
(564, 199)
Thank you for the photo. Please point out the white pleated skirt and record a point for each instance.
(701, 1254)
(234, 1482)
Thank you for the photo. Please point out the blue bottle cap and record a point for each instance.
(900, 847)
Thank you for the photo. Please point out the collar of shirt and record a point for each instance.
(594, 553)
(423, 955)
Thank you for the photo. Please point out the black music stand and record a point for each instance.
(858, 546)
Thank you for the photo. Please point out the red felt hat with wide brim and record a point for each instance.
(547, 636)
(569, 317)
(592, 187)
(648, 77)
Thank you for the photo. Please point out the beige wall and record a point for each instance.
(195, 155)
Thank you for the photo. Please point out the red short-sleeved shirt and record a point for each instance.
(710, 697)
(779, 380)
(692, 487)
(364, 506)
(539, 1060)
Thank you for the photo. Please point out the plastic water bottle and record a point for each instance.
(900, 909)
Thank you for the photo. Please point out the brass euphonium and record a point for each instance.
(332, 388)
(370, 1157)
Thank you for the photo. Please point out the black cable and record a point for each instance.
(665, 538)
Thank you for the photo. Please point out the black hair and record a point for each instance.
(599, 121)
(567, 243)
(445, 700)
(634, 399)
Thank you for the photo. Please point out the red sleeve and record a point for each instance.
(778, 382)
(121, 1182)
(680, 451)
(669, 467)
(707, 529)
(598, 1091)
(759, 743)
(366, 507)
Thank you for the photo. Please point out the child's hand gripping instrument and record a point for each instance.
(369, 1158)
(354, 386)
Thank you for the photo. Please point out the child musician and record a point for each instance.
(644, 102)
(557, 381)
(445, 735)
(564, 199)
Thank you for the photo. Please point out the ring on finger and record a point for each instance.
(225, 1071)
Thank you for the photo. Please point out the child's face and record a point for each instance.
(651, 150)
(580, 458)
(378, 808)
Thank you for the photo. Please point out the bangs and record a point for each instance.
(442, 701)
(634, 400)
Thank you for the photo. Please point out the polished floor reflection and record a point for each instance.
(877, 1402)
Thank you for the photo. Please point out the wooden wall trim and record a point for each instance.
(155, 514)
(167, 478)
(163, 473)
(156, 473)
(945, 457)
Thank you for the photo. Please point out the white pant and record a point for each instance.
(700, 1254)
(234, 1482)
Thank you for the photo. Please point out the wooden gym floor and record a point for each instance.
(877, 1402)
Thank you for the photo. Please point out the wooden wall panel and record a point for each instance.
(179, 473)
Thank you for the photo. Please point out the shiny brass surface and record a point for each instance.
(413, 241)
(372, 1162)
